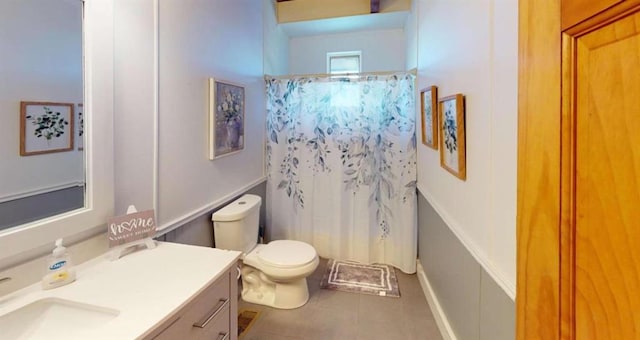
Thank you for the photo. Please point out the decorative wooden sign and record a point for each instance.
(131, 227)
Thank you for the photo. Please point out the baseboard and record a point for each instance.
(441, 318)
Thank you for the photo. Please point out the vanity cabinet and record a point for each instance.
(211, 314)
(173, 291)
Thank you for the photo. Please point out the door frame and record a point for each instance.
(546, 194)
(538, 204)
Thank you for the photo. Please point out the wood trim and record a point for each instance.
(567, 191)
(570, 148)
(546, 219)
(576, 11)
(538, 206)
(623, 9)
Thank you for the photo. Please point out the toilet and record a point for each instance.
(273, 274)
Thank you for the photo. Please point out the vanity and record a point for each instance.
(173, 291)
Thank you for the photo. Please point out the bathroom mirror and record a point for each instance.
(50, 41)
(41, 62)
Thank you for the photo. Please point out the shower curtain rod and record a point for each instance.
(413, 71)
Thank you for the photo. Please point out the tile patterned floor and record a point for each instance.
(345, 316)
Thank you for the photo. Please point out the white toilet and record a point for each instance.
(273, 274)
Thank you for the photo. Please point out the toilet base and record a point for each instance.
(259, 289)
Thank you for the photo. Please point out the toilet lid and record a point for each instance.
(287, 253)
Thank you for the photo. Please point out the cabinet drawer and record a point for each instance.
(209, 304)
(218, 329)
(206, 317)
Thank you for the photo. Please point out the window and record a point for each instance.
(344, 62)
(344, 93)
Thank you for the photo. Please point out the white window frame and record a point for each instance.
(344, 54)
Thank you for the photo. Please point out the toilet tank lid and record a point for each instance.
(237, 209)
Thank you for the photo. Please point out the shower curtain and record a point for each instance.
(341, 166)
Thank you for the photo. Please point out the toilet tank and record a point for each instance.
(235, 226)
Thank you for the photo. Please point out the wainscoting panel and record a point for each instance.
(474, 305)
(453, 272)
(497, 311)
(35, 207)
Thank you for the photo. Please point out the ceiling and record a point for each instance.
(375, 5)
(378, 21)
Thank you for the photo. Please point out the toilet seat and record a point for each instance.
(286, 254)
(283, 259)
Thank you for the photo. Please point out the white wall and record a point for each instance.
(199, 39)
(411, 38)
(471, 48)
(41, 60)
(382, 50)
(135, 115)
(276, 43)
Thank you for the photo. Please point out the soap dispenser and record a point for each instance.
(59, 270)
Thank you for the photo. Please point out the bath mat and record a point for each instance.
(246, 319)
(374, 279)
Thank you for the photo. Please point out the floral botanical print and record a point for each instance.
(48, 125)
(449, 128)
(227, 120)
(428, 116)
(450, 134)
(362, 130)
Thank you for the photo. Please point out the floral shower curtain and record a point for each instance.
(341, 166)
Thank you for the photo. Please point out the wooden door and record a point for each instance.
(579, 170)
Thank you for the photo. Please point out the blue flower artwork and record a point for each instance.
(226, 118)
(452, 153)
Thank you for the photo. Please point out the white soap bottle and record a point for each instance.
(59, 270)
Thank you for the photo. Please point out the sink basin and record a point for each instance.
(53, 318)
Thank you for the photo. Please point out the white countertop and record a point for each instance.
(145, 286)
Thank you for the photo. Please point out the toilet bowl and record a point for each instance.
(273, 274)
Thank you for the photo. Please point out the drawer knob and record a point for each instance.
(216, 309)
(223, 336)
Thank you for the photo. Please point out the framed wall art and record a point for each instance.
(429, 116)
(46, 127)
(79, 136)
(452, 138)
(226, 118)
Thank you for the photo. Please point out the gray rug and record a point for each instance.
(374, 279)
